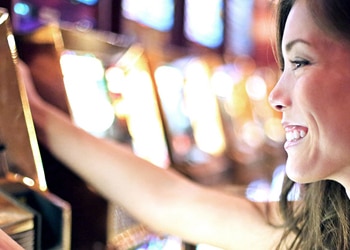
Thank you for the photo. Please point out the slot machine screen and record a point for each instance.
(239, 22)
(111, 95)
(204, 22)
(156, 14)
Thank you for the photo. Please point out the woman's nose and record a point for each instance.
(279, 97)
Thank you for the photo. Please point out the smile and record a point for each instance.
(295, 133)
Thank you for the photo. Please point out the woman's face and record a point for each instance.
(314, 95)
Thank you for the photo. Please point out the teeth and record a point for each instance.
(295, 135)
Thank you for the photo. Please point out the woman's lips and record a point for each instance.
(294, 134)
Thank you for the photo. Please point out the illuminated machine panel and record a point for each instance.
(107, 88)
(28, 209)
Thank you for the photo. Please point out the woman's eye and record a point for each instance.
(299, 63)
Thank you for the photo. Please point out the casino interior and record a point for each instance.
(184, 83)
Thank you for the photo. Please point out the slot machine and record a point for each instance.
(103, 81)
(31, 214)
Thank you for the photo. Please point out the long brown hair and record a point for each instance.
(322, 219)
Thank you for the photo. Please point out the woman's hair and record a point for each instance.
(322, 220)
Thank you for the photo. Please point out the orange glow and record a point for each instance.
(203, 108)
(193, 84)
(140, 108)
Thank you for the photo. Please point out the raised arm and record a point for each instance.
(162, 199)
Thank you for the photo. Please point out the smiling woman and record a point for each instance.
(303, 88)
(312, 95)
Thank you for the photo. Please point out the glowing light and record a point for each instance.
(189, 102)
(88, 2)
(239, 25)
(28, 181)
(203, 22)
(170, 88)
(256, 88)
(202, 109)
(161, 243)
(143, 118)
(21, 9)
(12, 44)
(222, 83)
(274, 130)
(206, 247)
(4, 17)
(115, 78)
(84, 82)
(168, 77)
(258, 190)
(157, 14)
(277, 184)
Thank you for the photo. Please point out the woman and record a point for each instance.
(314, 53)
(312, 93)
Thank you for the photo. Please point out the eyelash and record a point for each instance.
(299, 63)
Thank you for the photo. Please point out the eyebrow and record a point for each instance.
(290, 45)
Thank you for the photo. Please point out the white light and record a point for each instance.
(28, 181)
(115, 80)
(256, 88)
(83, 79)
(12, 44)
(222, 83)
(143, 118)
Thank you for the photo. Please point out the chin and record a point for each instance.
(298, 175)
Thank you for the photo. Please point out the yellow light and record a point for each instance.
(203, 109)
(143, 118)
(115, 80)
(274, 130)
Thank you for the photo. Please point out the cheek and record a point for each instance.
(309, 95)
(325, 92)
(326, 102)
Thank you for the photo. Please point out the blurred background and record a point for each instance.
(183, 83)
